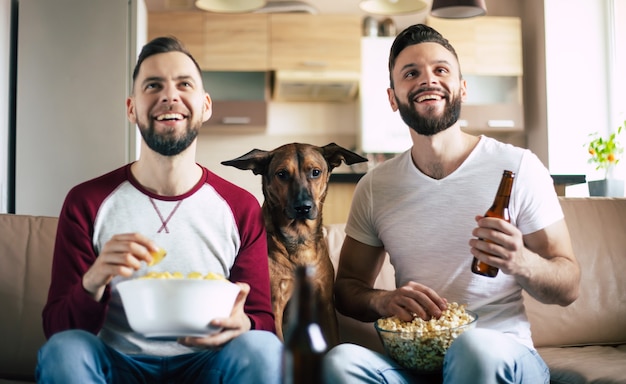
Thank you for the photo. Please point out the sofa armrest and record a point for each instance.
(596, 227)
(26, 248)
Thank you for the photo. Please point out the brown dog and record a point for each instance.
(295, 181)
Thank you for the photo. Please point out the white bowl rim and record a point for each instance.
(132, 286)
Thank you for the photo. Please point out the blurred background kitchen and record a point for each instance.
(542, 74)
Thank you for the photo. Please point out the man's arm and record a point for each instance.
(542, 262)
(69, 305)
(359, 265)
(554, 275)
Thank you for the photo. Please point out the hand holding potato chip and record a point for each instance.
(157, 256)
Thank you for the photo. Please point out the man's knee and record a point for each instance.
(259, 342)
(74, 342)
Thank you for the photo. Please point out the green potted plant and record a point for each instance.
(605, 154)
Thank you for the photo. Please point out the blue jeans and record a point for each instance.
(477, 356)
(80, 357)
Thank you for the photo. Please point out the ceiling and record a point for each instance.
(322, 6)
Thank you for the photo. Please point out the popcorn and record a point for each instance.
(422, 344)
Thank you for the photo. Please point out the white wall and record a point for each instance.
(5, 35)
(71, 118)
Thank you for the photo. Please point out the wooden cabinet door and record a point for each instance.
(491, 118)
(188, 27)
(315, 42)
(236, 42)
(485, 45)
(218, 42)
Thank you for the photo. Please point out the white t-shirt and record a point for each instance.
(425, 225)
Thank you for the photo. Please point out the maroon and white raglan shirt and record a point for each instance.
(215, 227)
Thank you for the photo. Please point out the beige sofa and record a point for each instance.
(582, 343)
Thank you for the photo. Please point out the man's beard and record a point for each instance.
(167, 144)
(429, 126)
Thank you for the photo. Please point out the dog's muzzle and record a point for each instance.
(302, 211)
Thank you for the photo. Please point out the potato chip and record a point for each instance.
(157, 257)
(179, 275)
(194, 275)
(214, 276)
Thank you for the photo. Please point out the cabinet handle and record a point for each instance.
(501, 123)
(236, 120)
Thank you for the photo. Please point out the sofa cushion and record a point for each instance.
(334, 234)
(580, 365)
(598, 316)
(351, 330)
(26, 247)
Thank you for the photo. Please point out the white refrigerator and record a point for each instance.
(74, 70)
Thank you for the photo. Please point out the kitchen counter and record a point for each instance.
(560, 181)
(345, 177)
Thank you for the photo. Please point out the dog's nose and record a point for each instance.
(303, 209)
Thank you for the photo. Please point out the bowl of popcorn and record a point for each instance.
(164, 304)
(421, 345)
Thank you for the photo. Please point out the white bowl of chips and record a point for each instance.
(421, 345)
(177, 306)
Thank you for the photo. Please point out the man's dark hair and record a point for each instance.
(162, 45)
(416, 34)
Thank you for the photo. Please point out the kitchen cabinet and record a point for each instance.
(490, 46)
(186, 26)
(493, 104)
(218, 42)
(236, 42)
(490, 55)
(263, 42)
(315, 42)
(232, 51)
(239, 98)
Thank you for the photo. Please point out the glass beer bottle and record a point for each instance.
(499, 209)
(305, 345)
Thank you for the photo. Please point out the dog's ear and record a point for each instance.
(335, 154)
(256, 160)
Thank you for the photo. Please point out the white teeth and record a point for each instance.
(428, 97)
(170, 116)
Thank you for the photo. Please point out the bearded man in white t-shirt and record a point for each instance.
(424, 208)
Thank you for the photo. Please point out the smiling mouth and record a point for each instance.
(428, 97)
(170, 117)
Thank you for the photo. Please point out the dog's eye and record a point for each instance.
(316, 173)
(282, 174)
